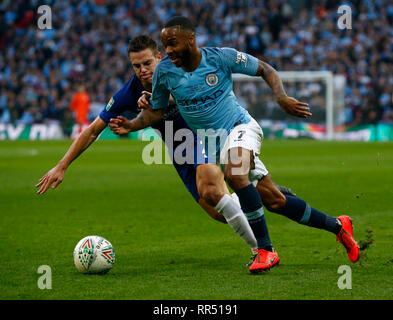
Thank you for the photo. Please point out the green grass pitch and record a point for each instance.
(168, 248)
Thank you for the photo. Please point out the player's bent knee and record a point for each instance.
(275, 202)
(271, 196)
(211, 194)
(236, 181)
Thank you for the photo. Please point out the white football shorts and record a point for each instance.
(248, 136)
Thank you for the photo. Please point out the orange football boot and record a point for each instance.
(264, 261)
(345, 237)
(254, 252)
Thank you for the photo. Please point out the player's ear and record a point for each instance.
(191, 37)
(159, 56)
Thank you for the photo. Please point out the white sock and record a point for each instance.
(235, 217)
(236, 198)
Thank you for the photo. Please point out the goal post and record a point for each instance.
(320, 85)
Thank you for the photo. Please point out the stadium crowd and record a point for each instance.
(41, 70)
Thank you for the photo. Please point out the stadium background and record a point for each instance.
(41, 70)
(166, 246)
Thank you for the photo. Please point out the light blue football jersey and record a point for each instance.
(205, 97)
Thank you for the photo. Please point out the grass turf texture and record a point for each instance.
(167, 247)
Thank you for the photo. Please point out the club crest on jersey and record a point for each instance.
(211, 79)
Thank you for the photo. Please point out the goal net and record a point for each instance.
(323, 91)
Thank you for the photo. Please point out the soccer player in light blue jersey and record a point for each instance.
(199, 79)
(144, 56)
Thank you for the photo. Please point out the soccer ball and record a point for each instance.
(94, 254)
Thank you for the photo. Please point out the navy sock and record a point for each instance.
(251, 204)
(299, 211)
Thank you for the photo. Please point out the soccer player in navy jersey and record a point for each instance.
(199, 79)
(144, 56)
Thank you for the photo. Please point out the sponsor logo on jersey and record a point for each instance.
(199, 103)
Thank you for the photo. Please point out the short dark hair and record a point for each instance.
(183, 22)
(141, 43)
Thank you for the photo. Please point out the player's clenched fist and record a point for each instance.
(143, 101)
(294, 107)
(120, 125)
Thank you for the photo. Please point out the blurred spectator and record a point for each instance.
(40, 69)
(80, 105)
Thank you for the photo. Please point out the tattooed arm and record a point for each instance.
(288, 104)
(145, 118)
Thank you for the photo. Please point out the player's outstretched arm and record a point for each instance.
(56, 175)
(288, 104)
(146, 118)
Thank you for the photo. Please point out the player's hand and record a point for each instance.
(120, 125)
(143, 101)
(53, 178)
(294, 107)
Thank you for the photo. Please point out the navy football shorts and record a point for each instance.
(187, 171)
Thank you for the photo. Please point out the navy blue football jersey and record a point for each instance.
(126, 99)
